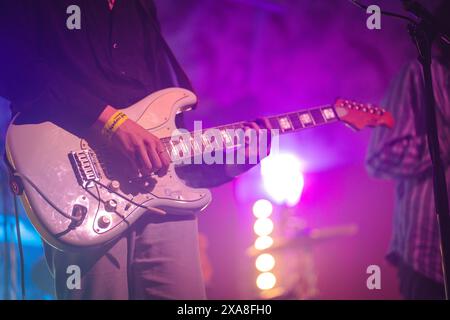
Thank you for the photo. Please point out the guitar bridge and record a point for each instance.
(84, 166)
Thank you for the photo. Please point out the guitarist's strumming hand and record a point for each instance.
(145, 150)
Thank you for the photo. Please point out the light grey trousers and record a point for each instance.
(158, 258)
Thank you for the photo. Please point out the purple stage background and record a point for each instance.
(256, 57)
(249, 58)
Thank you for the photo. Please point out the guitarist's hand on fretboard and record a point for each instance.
(260, 127)
(253, 152)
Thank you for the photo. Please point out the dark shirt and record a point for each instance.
(69, 76)
(52, 73)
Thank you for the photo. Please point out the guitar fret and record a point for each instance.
(295, 120)
(206, 142)
(184, 147)
(217, 142)
(174, 151)
(306, 119)
(228, 141)
(317, 116)
(168, 145)
(329, 114)
(274, 123)
(285, 123)
(197, 149)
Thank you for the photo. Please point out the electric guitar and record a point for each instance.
(77, 194)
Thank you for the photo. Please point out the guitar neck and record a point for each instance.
(295, 121)
(195, 143)
(299, 120)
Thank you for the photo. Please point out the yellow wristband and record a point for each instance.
(113, 124)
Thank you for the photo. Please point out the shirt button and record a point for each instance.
(115, 45)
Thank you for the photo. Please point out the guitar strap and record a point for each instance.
(182, 78)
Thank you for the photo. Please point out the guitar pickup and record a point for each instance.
(84, 168)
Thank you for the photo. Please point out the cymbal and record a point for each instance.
(307, 238)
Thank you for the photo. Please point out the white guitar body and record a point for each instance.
(46, 158)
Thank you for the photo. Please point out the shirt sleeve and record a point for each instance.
(401, 152)
(30, 82)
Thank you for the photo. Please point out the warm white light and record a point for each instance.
(283, 178)
(266, 281)
(263, 227)
(265, 262)
(262, 208)
(263, 242)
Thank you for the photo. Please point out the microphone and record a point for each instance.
(421, 12)
(418, 10)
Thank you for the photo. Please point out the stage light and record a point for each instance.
(283, 178)
(262, 208)
(265, 262)
(264, 242)
(263, 227)
(266, 281)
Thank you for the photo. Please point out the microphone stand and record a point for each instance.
(423, 34)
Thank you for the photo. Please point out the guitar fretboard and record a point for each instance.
(196, 143)
(299, 120)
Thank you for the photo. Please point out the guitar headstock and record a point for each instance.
(359, 115)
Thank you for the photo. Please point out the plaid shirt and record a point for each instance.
(402, 154)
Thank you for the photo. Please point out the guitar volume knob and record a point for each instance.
(111, 205)
(114, 185)
(104, 222)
